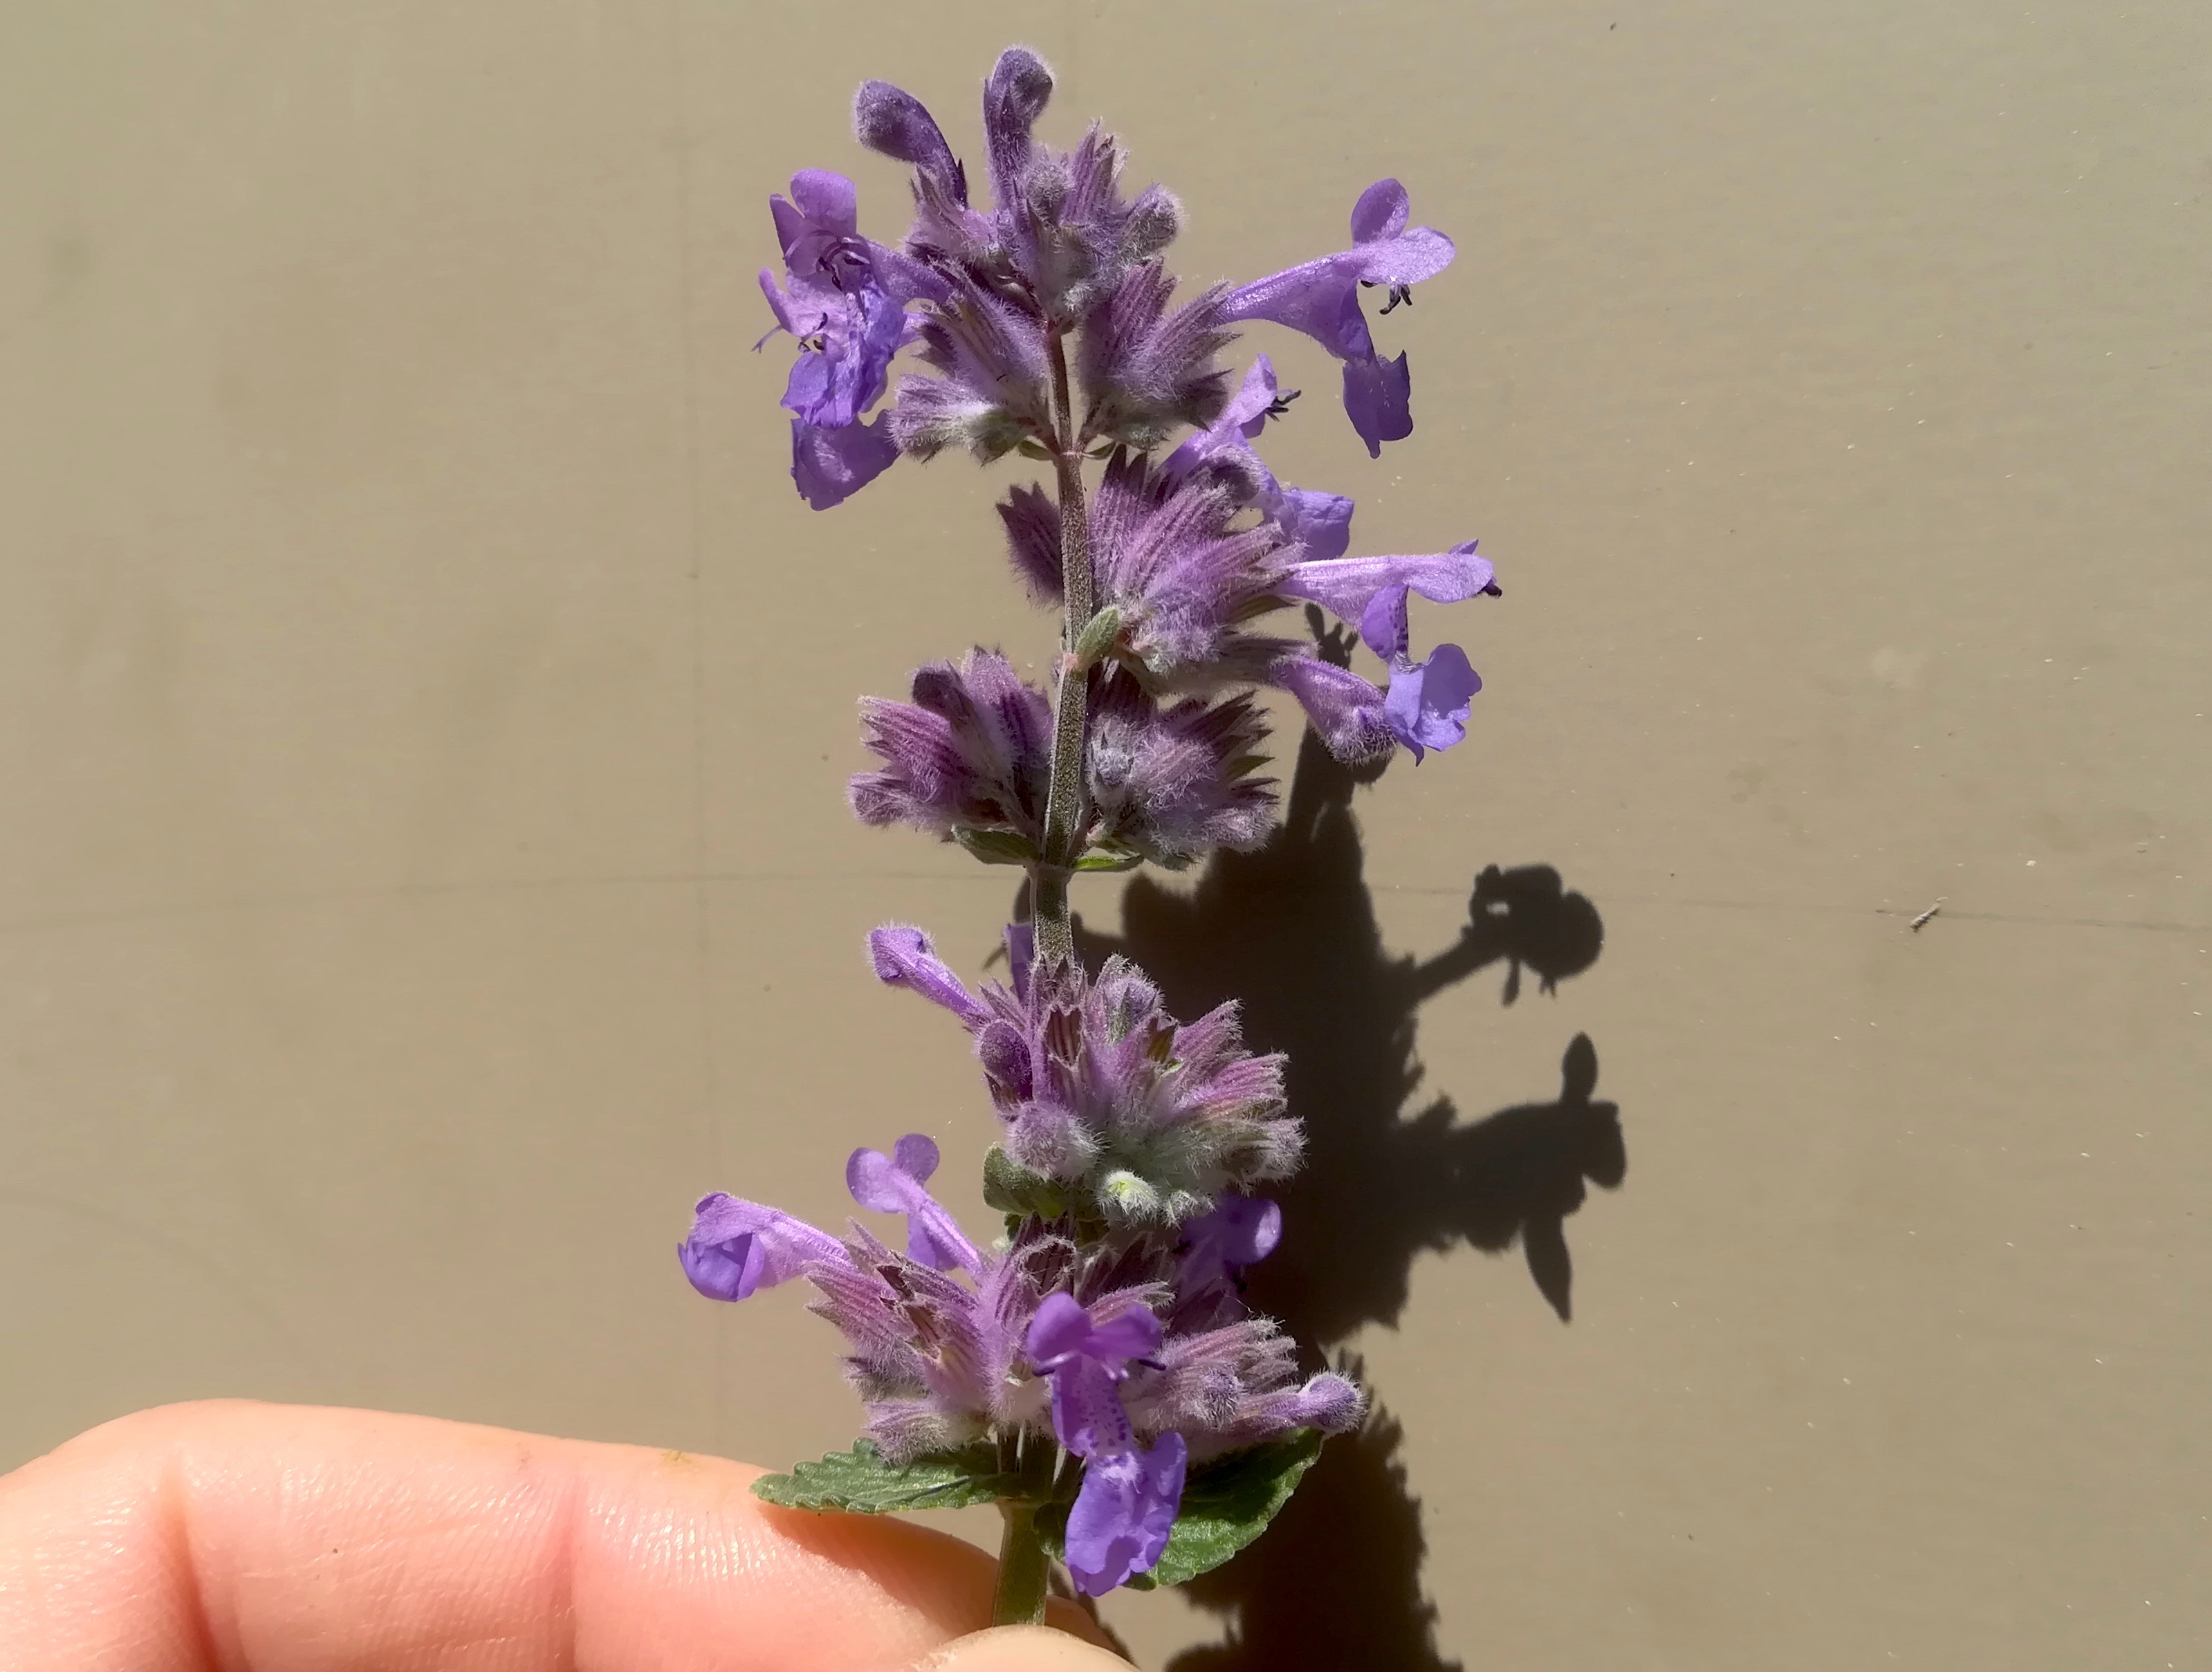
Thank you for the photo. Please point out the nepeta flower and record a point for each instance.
(895, 1183)
(1319, 524)
(1098, 1088)
(846, 303)
(1322, 299)
(1427, 703)
(1122, 1517)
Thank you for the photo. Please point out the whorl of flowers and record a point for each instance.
(1105, 1330)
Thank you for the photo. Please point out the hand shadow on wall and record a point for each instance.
(1290, 931)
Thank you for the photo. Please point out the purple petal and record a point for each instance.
(902, 957)
(883, 1184)
(831, 465)
(1383, 624)
(1320, 298)
(1317, 520)
(738, 1247)
(1417, 254)
(1058, 1330)
(1381, 212)
(829, 199)
(1121, 1518)
(1241, 1231)
(916, 1156)
(1087, 1413)
(1428, 703)
(1378, 398)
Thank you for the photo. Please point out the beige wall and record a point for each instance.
(424, 710)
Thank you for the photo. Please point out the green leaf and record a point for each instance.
(862, 1481)
(1011, 1187)
(1226, 1504)
(1105, 858)
(995, 847)
(1098, 635)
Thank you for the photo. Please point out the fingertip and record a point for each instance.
(1022, 1649)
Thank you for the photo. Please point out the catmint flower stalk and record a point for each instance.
(1055, 935)
(1082, 1367)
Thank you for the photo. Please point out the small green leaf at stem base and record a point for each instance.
(1227, 1502)
(862, 1481)
(996, 847)
(1013, 1189)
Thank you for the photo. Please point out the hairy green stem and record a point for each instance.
(1063, 815)
(1022, 1569)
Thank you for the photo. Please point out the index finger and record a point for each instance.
(256, 1538)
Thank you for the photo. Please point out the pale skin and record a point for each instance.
(239, 1537)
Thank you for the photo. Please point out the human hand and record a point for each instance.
(264, 1538)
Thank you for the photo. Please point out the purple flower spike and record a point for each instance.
(1322, 299)
(895, 1183)
(904, 957)
(1119, 1524)
(738, 1247)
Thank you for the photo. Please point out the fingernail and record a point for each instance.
(1022, 1648)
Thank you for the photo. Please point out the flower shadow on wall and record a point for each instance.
(1290, 930)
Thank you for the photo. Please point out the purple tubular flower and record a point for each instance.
(1428, 703)
(892, 121)
(1322, 299)
(1343, 708)
(1318, 523)
(1120, 1522)
(896, 1183)
(738, 1247)
(846, 303)
(1349, 587)
(902, 956)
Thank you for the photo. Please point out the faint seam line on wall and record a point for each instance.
(309, 899)
(688, 351)
(702, 881)
(226, 1280)
(702, 903)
